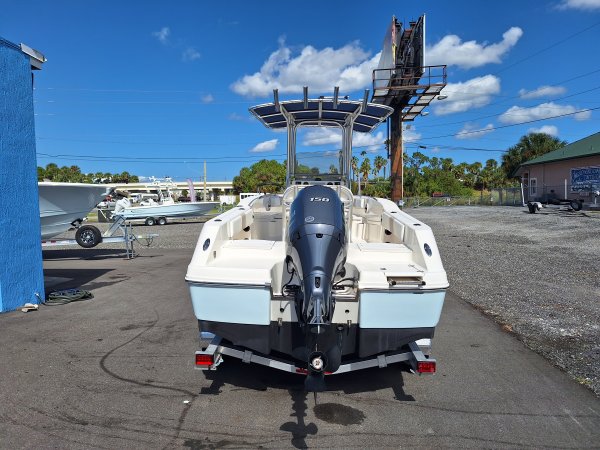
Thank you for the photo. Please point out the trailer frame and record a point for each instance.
(120, 225)
(214, 348)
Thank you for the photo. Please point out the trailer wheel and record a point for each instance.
(88, 236)
(532, 208)
(162, 221)
(576, 205)
(150, 221)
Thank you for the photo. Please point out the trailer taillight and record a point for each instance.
(426, 366)
(204, 360)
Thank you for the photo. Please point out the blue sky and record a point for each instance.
(131, 81)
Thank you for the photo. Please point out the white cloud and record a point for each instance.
(467, 95)
(547, 129)
(349, 67)
(331, 136)
(542, 91)
(472, 131)
(410, 135)
(265, 146)
(322, 136)
(370, 142)
(190, 54)
(237, 117)
(162, 35)
(516, 114)
(452, 51)
(208, 98)
(579, 4)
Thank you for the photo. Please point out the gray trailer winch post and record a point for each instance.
(212, 356)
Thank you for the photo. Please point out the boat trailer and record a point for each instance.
(416, 354)
(89, 236)
(535, 206)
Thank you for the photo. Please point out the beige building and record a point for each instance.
(571, 172)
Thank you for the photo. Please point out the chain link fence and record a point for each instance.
(494, 197)
(546, 193)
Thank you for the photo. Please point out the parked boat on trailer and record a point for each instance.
(66, 205)
(317, 280)
(158, 212)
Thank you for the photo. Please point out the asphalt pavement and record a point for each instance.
(117, 372)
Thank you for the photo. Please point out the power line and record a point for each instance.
(496, 115)
(547, 48)
(514, 124)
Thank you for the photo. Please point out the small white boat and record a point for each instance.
(64, 205)
(157, 212)
(317, 280)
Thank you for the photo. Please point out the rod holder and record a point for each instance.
(336, 94)
(363, 107)
(276, 100)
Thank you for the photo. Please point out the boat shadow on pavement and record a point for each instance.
(235, 373)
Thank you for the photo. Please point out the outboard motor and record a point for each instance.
(318, 252)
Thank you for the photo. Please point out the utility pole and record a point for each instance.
(397, 156)
(204, 190)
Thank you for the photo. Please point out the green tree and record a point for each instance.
(492, 175)
(73, 174)
(382, 188)
(264, 176)
(447, 164)
(529, 146)
(354, 164)
(379, 162)
(365, 169)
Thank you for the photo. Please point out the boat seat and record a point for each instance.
(376, 261)
(246, 261)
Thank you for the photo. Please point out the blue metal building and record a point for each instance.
(21, 272)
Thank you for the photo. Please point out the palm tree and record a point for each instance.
(475, 172)
(365, 169)
(354, 164)
(447, 164)
(379, 163)
(529, 146)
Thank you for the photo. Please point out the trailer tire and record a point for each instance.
(532, 208)
(576, 205)
(88, 236)
(162, 221)
(150, 221)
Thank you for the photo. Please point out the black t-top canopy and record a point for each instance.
(322, 112)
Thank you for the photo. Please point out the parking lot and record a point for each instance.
(117, 371)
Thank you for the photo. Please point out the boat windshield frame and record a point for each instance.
(347, 115)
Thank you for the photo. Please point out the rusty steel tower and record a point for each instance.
(403, 82)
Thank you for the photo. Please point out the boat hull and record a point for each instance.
(174, 210)
(243, 315)
(63, 203)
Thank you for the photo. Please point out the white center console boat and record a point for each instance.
(317, 280)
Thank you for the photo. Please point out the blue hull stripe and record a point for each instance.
(232, 305)
(400, 309)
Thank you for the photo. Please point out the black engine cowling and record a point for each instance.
(318, 249)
